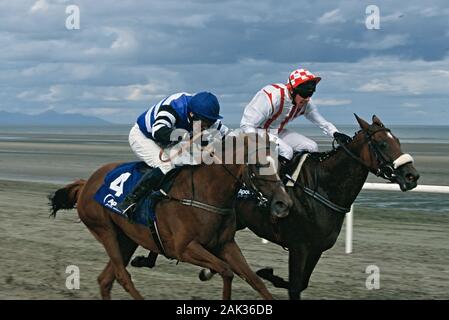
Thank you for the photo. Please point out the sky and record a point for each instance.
(127, 55)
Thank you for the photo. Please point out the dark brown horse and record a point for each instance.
(313, 225)
(189, 234)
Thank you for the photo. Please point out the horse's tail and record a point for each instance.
(66, 197)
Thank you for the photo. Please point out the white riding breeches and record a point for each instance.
(291, 141)
(147, 150)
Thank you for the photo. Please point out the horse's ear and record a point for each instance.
(377, 121)
(363, 124)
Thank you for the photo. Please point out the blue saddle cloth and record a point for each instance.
(118, 183)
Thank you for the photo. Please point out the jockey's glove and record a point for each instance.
(342, 138)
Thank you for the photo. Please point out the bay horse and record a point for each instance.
(327, 186)
(188, 233)
(314, 224)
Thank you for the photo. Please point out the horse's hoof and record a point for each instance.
(141, 261)
(205, 275)
(265, 272)
(137, 262)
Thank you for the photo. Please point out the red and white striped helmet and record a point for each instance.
(300, 76)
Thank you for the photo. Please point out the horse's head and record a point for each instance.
(381, 153)
(261, 175)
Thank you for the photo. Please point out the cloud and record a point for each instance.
(39, 5)
(392, 17)
(329, 17)
(387, 42)
(419, 113)
(144, 92)
(161, 32)
(124, 41)
(99, 112)
(405, 77)
(378, 85)
(332, 102)
(55, 93)
(410, 105)
(128, 55)
(431, 12)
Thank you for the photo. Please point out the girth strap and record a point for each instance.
(319, 197)
(157, 238)
(205, 206)
(200, 205)
(325, 201)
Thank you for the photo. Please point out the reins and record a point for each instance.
(385, 170)
(263, 201)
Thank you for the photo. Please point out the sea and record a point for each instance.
(406, 133)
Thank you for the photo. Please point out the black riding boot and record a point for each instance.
(283, 166)
(147, 183)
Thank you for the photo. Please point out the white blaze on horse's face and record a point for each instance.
(403, 159)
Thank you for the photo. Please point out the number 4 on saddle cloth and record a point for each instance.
(121, 180)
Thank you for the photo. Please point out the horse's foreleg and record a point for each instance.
(311, 261)
(106, 280)
(296, 265)
(196, 254)
(107, 277)
(108, 238)
(231, 254)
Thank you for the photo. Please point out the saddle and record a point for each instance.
(289, 167)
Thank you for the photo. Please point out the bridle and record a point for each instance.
(386, 168)
(247, 178)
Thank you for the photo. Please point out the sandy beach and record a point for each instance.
(411, 248)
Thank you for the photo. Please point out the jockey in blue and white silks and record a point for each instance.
(153, 130)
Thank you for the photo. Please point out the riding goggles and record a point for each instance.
(306, 89)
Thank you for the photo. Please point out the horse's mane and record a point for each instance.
(322, 156)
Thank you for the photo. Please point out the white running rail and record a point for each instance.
(384, 187)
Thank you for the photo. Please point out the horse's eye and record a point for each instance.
(383, 145)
